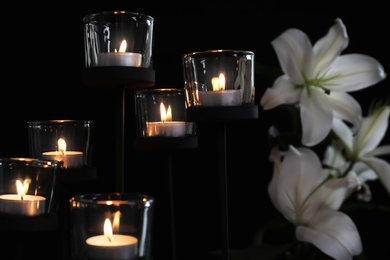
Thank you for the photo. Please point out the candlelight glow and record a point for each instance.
(116, 221)
(123, 46)
(108, 229)
(61, 145)
(22, 188)
(166, 115)
(218, 82)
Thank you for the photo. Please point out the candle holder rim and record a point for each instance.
(58, 121)
(93, 16)
(127, 198)
(32, 161)
(152, 90)
(218, 51)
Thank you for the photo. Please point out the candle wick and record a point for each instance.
(21, 197)
(109, 239)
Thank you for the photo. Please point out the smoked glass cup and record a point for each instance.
(67, 141)
(28, 187)
(118, 38)
(111, 226)
(219, 78)
(161, 112)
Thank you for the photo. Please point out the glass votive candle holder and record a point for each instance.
(28, 186)
(118, 38)
(111, 226)
(219, 78)
(67, 141)
(161, 112)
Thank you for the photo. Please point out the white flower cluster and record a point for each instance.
(309, 191)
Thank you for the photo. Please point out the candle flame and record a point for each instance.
(218, 82)
(108, 229)
(61, 145)
(166, 115)
(123, 46)
(22, 188)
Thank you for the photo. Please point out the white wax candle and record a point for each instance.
(121, 247)
(220, 98)
(70, 159)
(128, 59)
(166, 129)
(31, 205)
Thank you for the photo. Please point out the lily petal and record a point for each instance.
(346, 108)
(282, 92)
(351, 72)
(372, 130)
(381, 150)
(382, 169)
(300, 173)
(344, 133)
(364, 173)
(334, 233)
(316, 114)
(335, 192)
(294, 51)
(330, 46)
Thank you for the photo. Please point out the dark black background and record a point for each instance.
(43, 64)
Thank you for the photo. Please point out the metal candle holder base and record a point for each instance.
(125, 77)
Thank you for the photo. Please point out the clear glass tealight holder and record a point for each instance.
(28, 186)
(67, 141)
(161, 113)
(118, 38)
(111, 226)
(219, 78)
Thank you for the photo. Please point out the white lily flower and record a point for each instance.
(317, 78)
(337, 166)
(301, 192)
(363, 148)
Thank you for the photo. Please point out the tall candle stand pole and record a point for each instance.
(120, 79)
(168, 160)
(168, 145)
(224, 192)
(220, 116)
(120, 137)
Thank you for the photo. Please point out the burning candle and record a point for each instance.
(111, 246)
(22, 203)
(219, 96)
(166, 127)
(121, 58)
(70, 159)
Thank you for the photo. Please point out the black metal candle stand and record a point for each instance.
(127, 77)
(168, 144)
(120, 79)
(220, 116)
(23, 223)
(222, 113)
